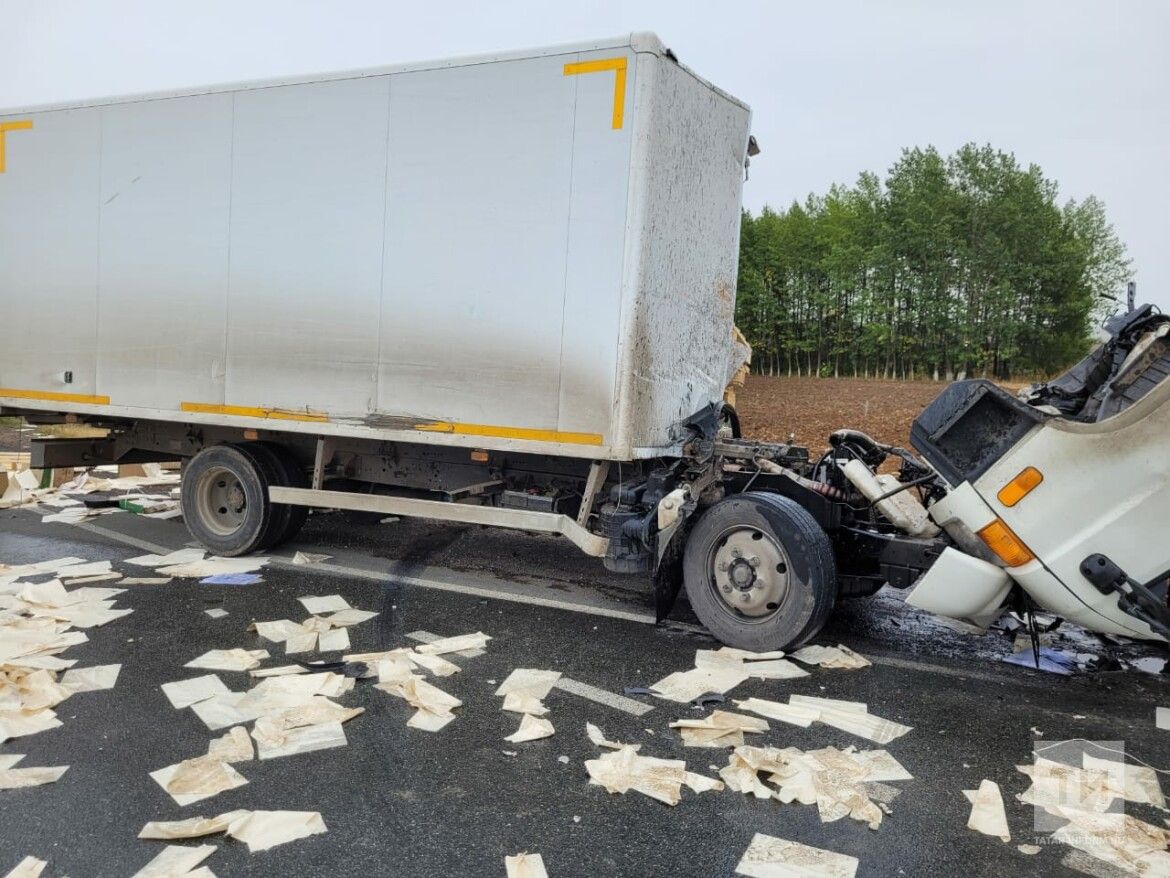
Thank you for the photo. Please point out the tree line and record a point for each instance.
(953, 266)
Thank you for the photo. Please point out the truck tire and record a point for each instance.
(270, 467)
(759, 572)
(292, 475)
(224, 496)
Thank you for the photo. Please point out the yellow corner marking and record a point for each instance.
(5, 127)
(52, 396)
(618, 65)
(243, 411)
(511, 433)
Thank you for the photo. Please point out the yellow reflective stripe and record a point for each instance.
(5, 127)
(243, 411)
(511, 433)
(53, 396)
(618, 65)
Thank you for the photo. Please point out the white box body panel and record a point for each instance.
(506, 251)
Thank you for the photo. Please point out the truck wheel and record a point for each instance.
(759, 572)
(292, 475)
(224, 496)
(269, 466)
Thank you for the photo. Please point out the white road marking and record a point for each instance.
(145, 545)
(609, 699)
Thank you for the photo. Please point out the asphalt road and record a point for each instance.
(403, 802)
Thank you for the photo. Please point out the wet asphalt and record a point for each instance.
(403, 802)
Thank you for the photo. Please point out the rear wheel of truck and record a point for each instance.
(759, 572)
(224, 496)
(288, 474)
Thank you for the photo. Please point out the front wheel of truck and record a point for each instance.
(759, 572)
(224, 496)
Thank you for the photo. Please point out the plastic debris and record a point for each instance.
(525, 866)
(232, 579)
(987, 812)
(770, 857)
(1053, 661)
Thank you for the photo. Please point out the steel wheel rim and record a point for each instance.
(749, 573)
(221, 501)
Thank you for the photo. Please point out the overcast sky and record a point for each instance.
(1080, 88)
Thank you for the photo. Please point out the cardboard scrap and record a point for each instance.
(987, 811)
(720, 729)
(525, 866)
(229, 659)
(184, 693)
(531, 729)
(174, 861)
(770, 857)
(839, 656)
(834, 780)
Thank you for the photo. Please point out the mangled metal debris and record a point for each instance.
(770, 857)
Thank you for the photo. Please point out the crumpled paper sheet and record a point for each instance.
(525, 689)
(834, 780)
(29, 867)
(273, 742)
(235, 746)
(433, 707)
(18, 778)
(839, 657)
(597, 736)
(194, 780)
(192, 827)
(179, 556)
(770, 857)
(270, 695)
(19, 723)
(1130, 845)
(685, 686)
(852, 717)
(330, 603)
(622, 770)
(459, 643)
(229, 659)
(184, 693)
(525, 866)
(760, 665)
(176, 861)
(793, 714)
(92, 679)
(531, 729)
(720, 729)
(987, 812)
(261, 830)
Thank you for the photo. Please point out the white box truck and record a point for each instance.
(494, 290)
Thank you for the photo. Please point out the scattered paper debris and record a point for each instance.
(261, 830)
(525, 689)
(598, 737)
(987, 811)
(1029, 849)
(216, 612)
(622, 769)
(180, 556)
(184, 693)
(770, 857)
(235, 746)
(213, 566)
(308, 558)
(229, 659)
(720, 729)
(193, 780)
(192, 827)
(525, 866)
(18, 778)
(684, 686)
(29, 867)
(1162, 718)
(145, 580)
(92, 679)
(840, 657)
(531, 729)
(762, 665)
(175, 861)
(460, 643)
(324, 604)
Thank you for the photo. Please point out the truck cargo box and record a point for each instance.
(534, 250)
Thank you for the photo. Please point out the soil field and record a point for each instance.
(812, 408)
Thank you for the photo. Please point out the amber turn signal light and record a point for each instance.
(1015, 490)
(1008, 547)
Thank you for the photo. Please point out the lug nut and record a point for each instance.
(727, 588)
(723, 565)
(754, 561)
(736, 553)
(746, 597)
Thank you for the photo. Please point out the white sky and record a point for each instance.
(1080, 88)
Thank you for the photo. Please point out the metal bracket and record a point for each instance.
(598, 473)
